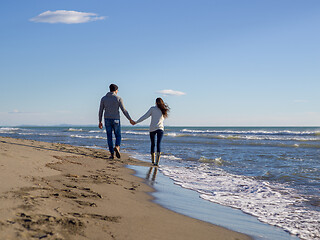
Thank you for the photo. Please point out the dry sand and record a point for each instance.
(56, 191)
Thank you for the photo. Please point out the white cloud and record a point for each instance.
(68, 17)
(169, 92)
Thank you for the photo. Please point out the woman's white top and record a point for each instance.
(156, 118)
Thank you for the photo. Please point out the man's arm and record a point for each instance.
(125, 112)
(100, 114)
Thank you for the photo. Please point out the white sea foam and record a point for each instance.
(146, 157)
(171, 157)
(253, 132)
(234, 136)
(137, 133)
(140, 156)
(275, 204)
(75, 130)
(8, 130)
(88, 137)
(171, 134)
(216, 161)
(96, 131)
(270, 138)
(254, 135)
(175, 134)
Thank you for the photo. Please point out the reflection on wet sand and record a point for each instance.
(151, 175)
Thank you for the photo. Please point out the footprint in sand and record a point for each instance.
(96, 216)
(84, 203)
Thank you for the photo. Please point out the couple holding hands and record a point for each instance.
(110, 105)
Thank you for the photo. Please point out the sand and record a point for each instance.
(57, 191)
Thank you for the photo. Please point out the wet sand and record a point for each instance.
(56, 191)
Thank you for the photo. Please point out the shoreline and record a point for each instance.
(58, 191)
(189, 203)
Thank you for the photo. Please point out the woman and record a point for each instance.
(158, 113)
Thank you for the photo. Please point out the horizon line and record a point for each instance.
(96, 125)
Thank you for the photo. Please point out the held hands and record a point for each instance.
(132, 122)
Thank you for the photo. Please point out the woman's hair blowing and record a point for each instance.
(163, 107)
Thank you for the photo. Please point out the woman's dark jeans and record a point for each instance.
(159, 134)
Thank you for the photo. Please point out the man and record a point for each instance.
(110, 104)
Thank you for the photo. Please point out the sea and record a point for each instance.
(272, 173)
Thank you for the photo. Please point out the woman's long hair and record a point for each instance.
(163, 107)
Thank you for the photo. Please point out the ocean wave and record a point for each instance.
(246, 137)
(236, 142)
(140, 156)
(271, 203)
(171, 157)
(216, 161)
(87, 137)
(255, 132)
(170, 134)
(282, 145)
(96, 131)
(236, 135)
(137, 133)
(26, 134)
(9, 130)
(175, 134)
(75, 130)
(84, 130)
(146, 157)
(269, 138)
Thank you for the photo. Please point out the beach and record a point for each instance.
(59, 191)
(265, 179)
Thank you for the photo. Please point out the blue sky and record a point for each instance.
(237, 62)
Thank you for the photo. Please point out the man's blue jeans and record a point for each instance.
(113, 125)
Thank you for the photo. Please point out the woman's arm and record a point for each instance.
(145, 116)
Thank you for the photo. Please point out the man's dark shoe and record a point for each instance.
(117, 152)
